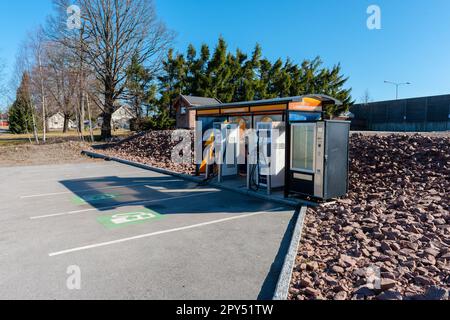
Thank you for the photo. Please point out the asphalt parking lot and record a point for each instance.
(134, 234)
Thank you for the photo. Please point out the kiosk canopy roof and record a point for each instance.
(279, 104)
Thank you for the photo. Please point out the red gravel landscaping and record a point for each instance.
(395, 219)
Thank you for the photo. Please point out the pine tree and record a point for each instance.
(20, 113)
(198, 80)
(248, 82)
(263, 80)
(219, 74)
(233, 77)
(139, 88)
(173, 81)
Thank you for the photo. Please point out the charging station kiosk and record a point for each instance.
(228, 165)
(309, 157)
(271, 162)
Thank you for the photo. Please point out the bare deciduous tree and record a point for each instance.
(62, 80)
(366, 99)
(37, 44)
(113, 32)
(2, 79)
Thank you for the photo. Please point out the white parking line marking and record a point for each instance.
(95, 189)
(66, 168)
(195, 226)
(135, 203)
(74, 177)
(165, 190)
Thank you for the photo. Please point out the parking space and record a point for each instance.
(134, 234)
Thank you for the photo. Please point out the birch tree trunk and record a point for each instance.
(35, 131)
(91, 130)
(44, 111)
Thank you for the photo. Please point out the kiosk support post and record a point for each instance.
(288, 154)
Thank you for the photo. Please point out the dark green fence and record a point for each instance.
(409, 115)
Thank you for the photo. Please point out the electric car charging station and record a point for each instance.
(284, 146)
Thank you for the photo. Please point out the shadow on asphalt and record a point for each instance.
(271, 282)
(108, 193)
(166, 195)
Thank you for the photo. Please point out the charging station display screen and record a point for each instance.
(303, 142)
(305, 116)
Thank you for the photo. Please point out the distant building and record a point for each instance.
(121, 119)
(425, 114)
(183, 106)
(4, 120)
(56, 122)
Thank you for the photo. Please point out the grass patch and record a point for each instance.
(8, 139)
(7, 143)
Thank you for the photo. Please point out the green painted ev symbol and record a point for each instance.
(126, 219)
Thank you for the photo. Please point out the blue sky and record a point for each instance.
(413, 44)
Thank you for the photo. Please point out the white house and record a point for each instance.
(56, 122)
(121, 119)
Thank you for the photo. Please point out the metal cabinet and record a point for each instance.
(319, 161)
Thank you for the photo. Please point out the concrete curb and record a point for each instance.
(282, 290)
(289, 203)
(285, 202)
(142, 166)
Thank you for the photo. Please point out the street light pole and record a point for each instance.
(397, 85)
